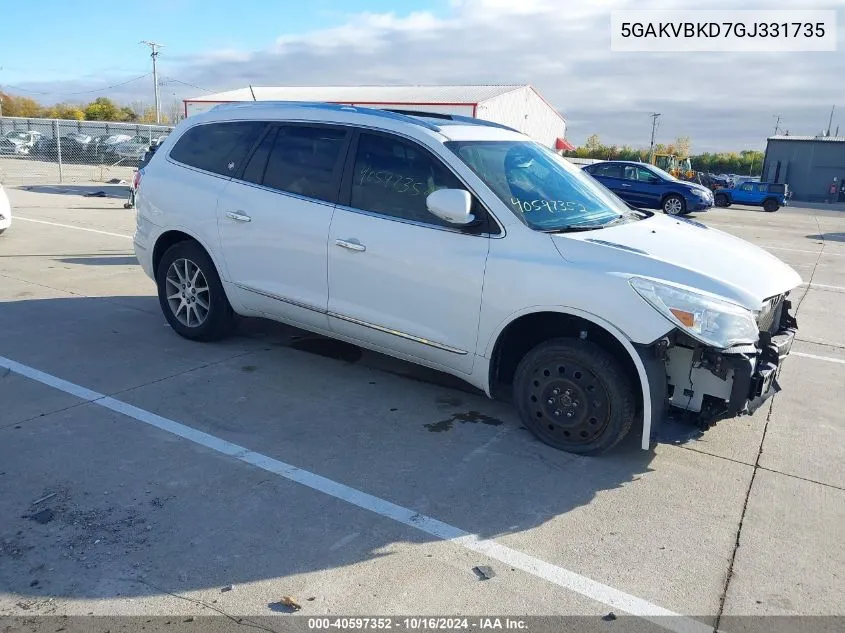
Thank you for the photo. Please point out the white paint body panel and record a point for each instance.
(417, 280)
(5, 210)
(443, 292)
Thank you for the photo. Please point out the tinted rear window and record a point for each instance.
(613, 170)
(217, 147)
(776, 188)
(306, 161)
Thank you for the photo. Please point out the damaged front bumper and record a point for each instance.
(709, 384)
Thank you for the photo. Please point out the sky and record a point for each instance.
(722, 101)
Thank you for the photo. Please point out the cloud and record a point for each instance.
(724, 101)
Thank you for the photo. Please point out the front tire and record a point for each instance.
(721, 200)
(674, 205)
(191, 294)
(575, 396)
(770, 206)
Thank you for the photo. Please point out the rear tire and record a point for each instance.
(191, 294)
(575, 396)
(674, 205)
(770, 206)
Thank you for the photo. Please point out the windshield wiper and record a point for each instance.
(574, 228)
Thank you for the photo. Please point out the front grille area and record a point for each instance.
(770, 314)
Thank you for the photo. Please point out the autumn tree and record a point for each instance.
(19, 106)
(102, 109)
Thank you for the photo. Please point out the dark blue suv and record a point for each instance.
(646, 186)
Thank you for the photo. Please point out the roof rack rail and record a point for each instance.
(324, 105)
(452, 117)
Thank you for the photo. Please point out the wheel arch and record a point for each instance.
(525, 329)
(168, 238)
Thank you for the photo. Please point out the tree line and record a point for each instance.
(100, 109)
(747, 162)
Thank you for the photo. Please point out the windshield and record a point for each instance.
(20, 135)
(542, 188)
(663, 174)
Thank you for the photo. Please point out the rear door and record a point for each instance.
(610, 175)
(274, 220)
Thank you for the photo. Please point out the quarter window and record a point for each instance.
(217, 147)
(394, 178)
(305, 161)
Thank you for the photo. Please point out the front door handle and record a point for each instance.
(240, 216)
(353, 246)
(625, 185)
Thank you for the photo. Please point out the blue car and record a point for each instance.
(769, 195)
(646, 186)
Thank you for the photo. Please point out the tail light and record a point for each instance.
(137, 180)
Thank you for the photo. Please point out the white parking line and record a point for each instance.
(801, 250)
(813, 284)
(71, 226)
(529, 564)
(825, 358)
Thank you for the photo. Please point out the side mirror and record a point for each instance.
(451, 205)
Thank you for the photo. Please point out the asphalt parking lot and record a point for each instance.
(143, 474)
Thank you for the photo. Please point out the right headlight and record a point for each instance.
(712, 321)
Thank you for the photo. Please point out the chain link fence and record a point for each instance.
(49, 151)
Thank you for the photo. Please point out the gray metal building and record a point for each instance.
(808, 164)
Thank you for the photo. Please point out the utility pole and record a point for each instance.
(654, 117)
(154, 54)
(830, 121)
(777, 125)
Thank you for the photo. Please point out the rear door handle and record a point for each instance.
(624, 185)
(353, 246)
(240, 216)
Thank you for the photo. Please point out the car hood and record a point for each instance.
(686, 253)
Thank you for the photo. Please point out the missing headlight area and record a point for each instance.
(709, 384)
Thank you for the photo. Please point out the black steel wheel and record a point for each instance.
(575, 396)
(770, 206)
(721, 200)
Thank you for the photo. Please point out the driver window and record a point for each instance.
(393, 177)
(746, 187)
(644, 175)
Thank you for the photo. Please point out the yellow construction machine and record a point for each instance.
(679, 167)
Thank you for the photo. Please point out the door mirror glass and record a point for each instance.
(451, 205)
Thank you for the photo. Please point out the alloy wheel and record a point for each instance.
(187, 292)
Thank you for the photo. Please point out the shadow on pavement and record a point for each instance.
(115, 260)
(109, 190)
(828, 237)
(130, 509)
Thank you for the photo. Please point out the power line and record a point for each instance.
(185, 83)
(81, 92)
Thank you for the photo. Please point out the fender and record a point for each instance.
(620, 336)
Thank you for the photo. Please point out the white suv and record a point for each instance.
(465, 246)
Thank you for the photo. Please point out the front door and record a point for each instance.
(399, 277)
(274, 221)
(744, 193)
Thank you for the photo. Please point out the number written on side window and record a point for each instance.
(393, 177)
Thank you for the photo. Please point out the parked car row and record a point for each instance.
(78, 147)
